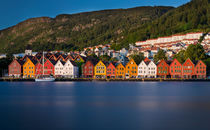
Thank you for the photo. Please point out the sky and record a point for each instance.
(15, 11)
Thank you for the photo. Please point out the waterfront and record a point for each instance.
(104, 105)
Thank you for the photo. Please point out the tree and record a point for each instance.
(195, 52)
(137, 58)
(160, 55)
(180, 56)
(105, 58)
(114, 59)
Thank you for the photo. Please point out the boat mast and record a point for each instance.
(43, 64)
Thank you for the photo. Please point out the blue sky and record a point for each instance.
(15, 11)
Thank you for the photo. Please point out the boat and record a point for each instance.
(43, 78)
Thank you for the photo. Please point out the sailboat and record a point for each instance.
(42, 78)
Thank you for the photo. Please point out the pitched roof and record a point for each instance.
(92, 59)
(147, 62)
(21, 62)
(52, 61)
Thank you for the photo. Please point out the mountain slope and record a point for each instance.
(78, 30)
(193, 16)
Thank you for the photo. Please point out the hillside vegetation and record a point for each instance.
(191, 17)
(70, 32)
(121, 26)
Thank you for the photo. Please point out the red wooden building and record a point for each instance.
(15, 68)
(200, 70)
(88, 69)
(162, 69)
(175, 69)
(188, 69)
(49, 66)
(111, 71)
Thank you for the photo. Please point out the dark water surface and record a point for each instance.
(104, 105)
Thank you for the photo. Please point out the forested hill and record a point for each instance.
(193, 16)
(70, 32)
(122, 26)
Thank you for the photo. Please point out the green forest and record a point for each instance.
(74, 32)
(120, 27)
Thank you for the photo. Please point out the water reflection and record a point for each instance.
(97, 105)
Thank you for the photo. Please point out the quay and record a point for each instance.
(107, 80)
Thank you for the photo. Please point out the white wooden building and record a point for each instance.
(70, 69)
(142, 70)
(59, 68)
(152, 70)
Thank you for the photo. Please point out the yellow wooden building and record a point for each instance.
(131, 69)
(100, 70)
(29, 68)
(120, 71)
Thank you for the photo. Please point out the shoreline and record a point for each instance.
(105, 80)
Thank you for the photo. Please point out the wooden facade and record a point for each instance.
(188, 69)
(88, 69)
(15, 68)
(131, 69)
(162, 69)
(120, 71)
(111, 71)
(175, 69)
(200, 70)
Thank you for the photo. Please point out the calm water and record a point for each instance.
(104, 105)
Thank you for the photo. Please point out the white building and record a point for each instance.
(142, 70)
(123, 52)
(152, 70)
(28, 52)
(70, 69)
(59, 68)
(147, 53)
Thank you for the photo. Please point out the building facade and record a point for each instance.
(188, 69)
(100, 70)
(15, 68)
(131, 69)
(175, 69)
(162, 69)
(120, 71)
(200, 70)
(70, 69)
(111, 71)
(88, 69)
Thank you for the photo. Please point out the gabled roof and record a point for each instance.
(196, 63)
(32, 60)
(92, 59)
(57, 54)
(52, 61)
(119, 64)
(188, 59)
(113, 63)
(147, 62)
(21, 62)
(62, 62)
(72, 62)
